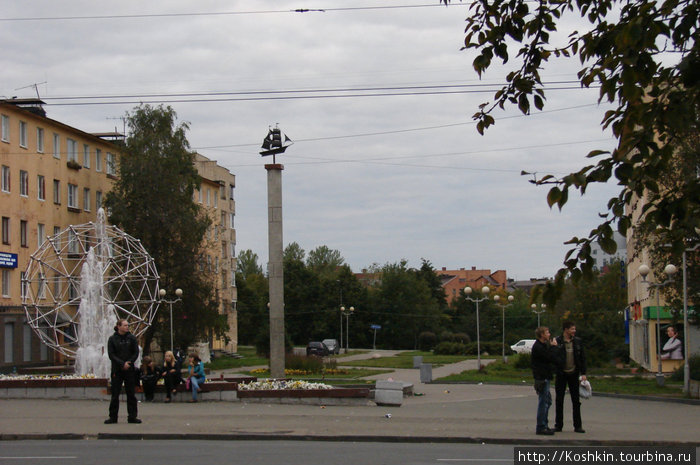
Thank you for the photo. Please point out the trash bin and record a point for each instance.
(426, 372)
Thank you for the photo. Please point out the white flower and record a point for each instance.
(277, 385)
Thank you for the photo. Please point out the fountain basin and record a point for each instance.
(57, 388)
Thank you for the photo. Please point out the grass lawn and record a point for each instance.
(351, 376)
(250, 358)
(405, 360)
(601, 380)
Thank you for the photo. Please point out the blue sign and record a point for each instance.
(375, 327)
(8, 260)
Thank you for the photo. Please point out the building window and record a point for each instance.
(23, 134)
(230, 217)
(111, 164)
(40, 187)
(26, 343)
(5, 282)
(216, 201)
(200, 195)
(208, 197)
(9, 336)
(42, 286)
(72, 196)
(5, 230)
(98, 160)
(56, 145)
(72, 149)
(57, 192)
(57, 238)
(5, 128)
(86, 156)
(72, 242)
(40, 140)
(23, 183)
(24, 286)
(86, 199)
(5, 179)
(22, 233)
(40, 234)
(56, 285)
(98, 200)
(230, 191)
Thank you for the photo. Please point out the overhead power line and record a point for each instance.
(298, 94)
(222, 13)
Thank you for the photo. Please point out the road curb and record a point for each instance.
(344, 438)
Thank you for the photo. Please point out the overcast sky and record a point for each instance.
(380, 178)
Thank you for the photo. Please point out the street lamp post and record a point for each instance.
(686, 364)
(347, 314)
(178, 294)
(669, 271)
(496, 298)
(538, 312)
(467, 291)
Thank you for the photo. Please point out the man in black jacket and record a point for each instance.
(123, 350)
(571, 366)
(544, 356)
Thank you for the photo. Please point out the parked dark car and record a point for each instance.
(317, 348)
(332, 344)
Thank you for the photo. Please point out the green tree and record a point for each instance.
(596, 309)
(253, 296)
(645, 57)
(324, 260)
(247, 263)
(294, 252)
(406, 306)
(153, 201)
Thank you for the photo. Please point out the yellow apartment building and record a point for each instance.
(52, 176)
(215, 195)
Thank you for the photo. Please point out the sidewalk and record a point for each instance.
(441, 412)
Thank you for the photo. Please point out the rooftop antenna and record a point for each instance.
(35, 86)
(123, 120)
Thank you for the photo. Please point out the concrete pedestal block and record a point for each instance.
(388, 393)
(417, 361)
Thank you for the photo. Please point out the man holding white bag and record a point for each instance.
(571, 370)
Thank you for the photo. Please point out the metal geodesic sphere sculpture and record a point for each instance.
(84, 274)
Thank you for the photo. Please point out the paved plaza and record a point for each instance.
(436, 412)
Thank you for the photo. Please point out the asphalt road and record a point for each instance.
(273, 452)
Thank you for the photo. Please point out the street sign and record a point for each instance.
(375, 327)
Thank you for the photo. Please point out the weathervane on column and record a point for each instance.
(275, 142)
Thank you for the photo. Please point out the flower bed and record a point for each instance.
(301, 392)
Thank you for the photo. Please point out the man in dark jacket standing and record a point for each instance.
(123, 350)
(544, 356)
(571, 366)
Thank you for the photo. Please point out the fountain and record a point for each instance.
(79, 282)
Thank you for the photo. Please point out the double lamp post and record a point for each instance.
(178, 294)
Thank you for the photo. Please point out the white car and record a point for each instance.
(523, 346)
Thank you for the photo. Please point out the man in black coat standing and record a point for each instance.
(571, 366)
(123, 350)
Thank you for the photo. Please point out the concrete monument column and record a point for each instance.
(275, 268)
